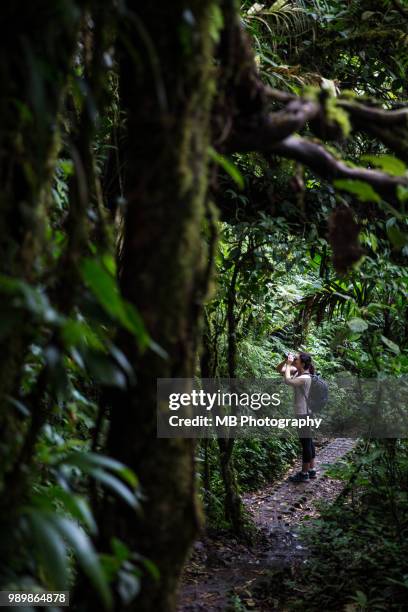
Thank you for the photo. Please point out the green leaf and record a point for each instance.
(22, 408)
(228, 166)
(94, 465)
(117, 486)
(109, 263)
(397, 238)
(33, 299)
(76, 506)
(370, 239)
(120, 550)
(77, 333)
(402, 193)
(86, 555)
(67, 167)
(122, 361)
(391, 345)
(361, 598)
(132, 320)
(50, 547)
(128, 585)
(363, 191)
(103, 369)
(87, 461)
(156, 348)
(103, 285)
(357, 325)
(387, 163)
(151, 568)
(105, 288)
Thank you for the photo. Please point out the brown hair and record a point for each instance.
(306, 360)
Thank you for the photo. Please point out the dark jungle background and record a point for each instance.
(194, 188)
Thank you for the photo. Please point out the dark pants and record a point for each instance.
(308, 450)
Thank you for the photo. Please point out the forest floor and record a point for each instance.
(226, 574)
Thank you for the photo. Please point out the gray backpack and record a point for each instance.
(318, 394)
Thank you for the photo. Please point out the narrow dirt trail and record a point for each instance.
(222, 568)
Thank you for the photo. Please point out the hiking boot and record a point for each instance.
(312, 474)
(299, 477)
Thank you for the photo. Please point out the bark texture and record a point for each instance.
(37, 45)
(167, 93)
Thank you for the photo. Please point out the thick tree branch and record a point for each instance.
(244, 105)
(385, 118)
(356, 110)
(320, 161)
(388, 126)
(270, 128)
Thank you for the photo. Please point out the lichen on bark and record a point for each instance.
(168, 100)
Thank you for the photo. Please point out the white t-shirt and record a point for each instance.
(301, 385)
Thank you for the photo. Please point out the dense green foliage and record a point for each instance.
(296, 258)
(278, 272)
(359, 544)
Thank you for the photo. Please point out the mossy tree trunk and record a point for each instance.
(232, 501)
(167, 86)
(37, 45)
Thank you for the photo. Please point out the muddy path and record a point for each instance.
(221, 568)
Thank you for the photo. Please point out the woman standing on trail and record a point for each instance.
(297, 370)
